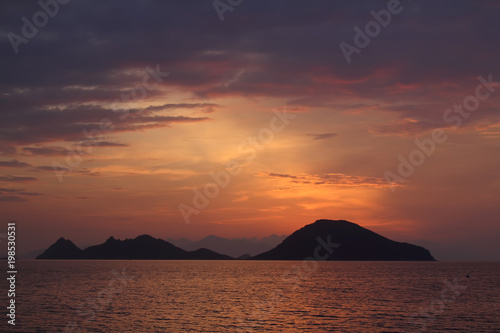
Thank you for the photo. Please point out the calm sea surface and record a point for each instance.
(247, 296)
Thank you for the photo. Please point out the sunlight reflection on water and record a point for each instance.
(247, 296)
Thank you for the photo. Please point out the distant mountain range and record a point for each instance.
(321, 240)
(233, 247)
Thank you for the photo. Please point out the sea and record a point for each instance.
(255, 296)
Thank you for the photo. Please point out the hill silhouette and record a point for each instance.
(142, 247)
(62, 249)
(343, 240)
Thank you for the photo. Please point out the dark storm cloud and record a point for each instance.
(278, 175)
(47, 151)
(42, 168)
(14, 164)
(60, 151)
(112, 144)
(55, 124)
(90, 54)
(328, 179)
(60, 168)
(51, 168)
(166, 107)
(17, 179)
(93, 43)
(11, 198)
(15, 194)
(18, 191)
(323, 136)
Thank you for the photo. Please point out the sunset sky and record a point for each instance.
(267, 89)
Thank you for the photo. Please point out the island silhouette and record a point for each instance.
(335, 239)
(343, 240)
(143, 247)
